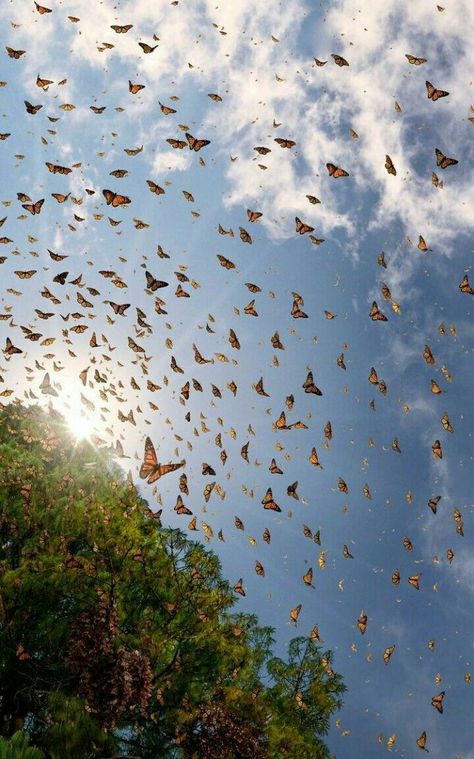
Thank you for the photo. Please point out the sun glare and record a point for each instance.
(80, 426)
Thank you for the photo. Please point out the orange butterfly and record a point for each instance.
(121, 29)
(335, 171)
(284, 143)
(389, 166)
(33, 208)
(465, 287)
(413, 60)
(134, 88)
(195, 144)
(114, 199)
(437, 701)
(433, 93)
(151, 468)
(443, 161)
(339, 60)
(253, 215)
(301, 227)
(15, 53)
(376, 314)
(294, 614)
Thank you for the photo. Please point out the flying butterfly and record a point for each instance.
(414, 60)
(376, 314)
(151, 468)
(339, 60)
(433, 93)
(443, 161)
(114, 199)
(301, 227)
(336, 171)
(33, 208)
(389, 166)
(195, 144)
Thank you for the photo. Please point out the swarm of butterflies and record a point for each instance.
(49, 326)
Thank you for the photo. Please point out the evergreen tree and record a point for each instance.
(117, 636)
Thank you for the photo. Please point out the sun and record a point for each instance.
(80, 426)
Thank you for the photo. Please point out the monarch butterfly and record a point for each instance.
(268, 502)
(346, 553)
(415, 61)
(362, 623)
(388, 653)
(443, 161)
(250, 310)
(436, 181)
(133, 151)
(435, 388)
(313, 199)
(15, 53)
(60, 199)
(179, 507)
(428, 356)
(414, 581)
(262, 150)
(437, 449)
(319, 63)
(446, 423)
(119, 173)
(183, 484)
(421, 741)
(465, 287)
(259, 569)
(389, 166)
(150, 467)
(437, 701)
(114, 199)
(294, 614)
(11, 349)
(121, 29)
(274, 468)
(96, 109)
(433, 93)
(313, 458)
(328, 431)
(309, 386)
(396, 577)
(208, 490)
(283, 143)
(176, 144)
(296, 311)
(135, 88)
(381, 260)
(215, 97)
(342, 486)
(253, 216)
(33, 208)
(407, 544)
(233, 340)
(239, 588)
(195, 144)
(244, 236)
(259, 388)
(450, 555)
(308, 577)
(433, 503)
(339, 60)
(335, 171)
(291, 490)
(154, 284)
(376, 314)
(301, 227)
(147, 49)
(290, 401)
(277, 344)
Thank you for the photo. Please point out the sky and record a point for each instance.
(260, 59)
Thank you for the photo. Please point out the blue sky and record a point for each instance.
(262, 81)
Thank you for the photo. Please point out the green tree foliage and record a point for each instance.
(116, 634)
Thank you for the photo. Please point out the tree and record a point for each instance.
(117, 635)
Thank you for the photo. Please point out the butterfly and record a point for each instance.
(339, 60)
(362, 623)
(433, 93)
(268, 502)
(446, 423)
(262, 150)
(253, 215)
(443, 161)
(414, 61)
(414, 581)
(389, 166)
(195, 144)
(465, 287)
(114, 199)
(421, 741)
(41, 9)
(313, 458)
(147, 49)
(284, 143)
(97, 109)
(309, 386)
(180, 508)
(150, 467)
(239, 588)
(376, 314)
(277, 344)
(396, 577)
(33, 208)
(15, 53)
(294, 614)
(437, 701)
(135, 88)
(335, 171)
(11, 349)
(437, 450)
(55, 169)
(301, 227)
(244, 236)
(154, 284)
(388, 653)
(259, 569)
(433, 503)
(121, 29)
(32, 109)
